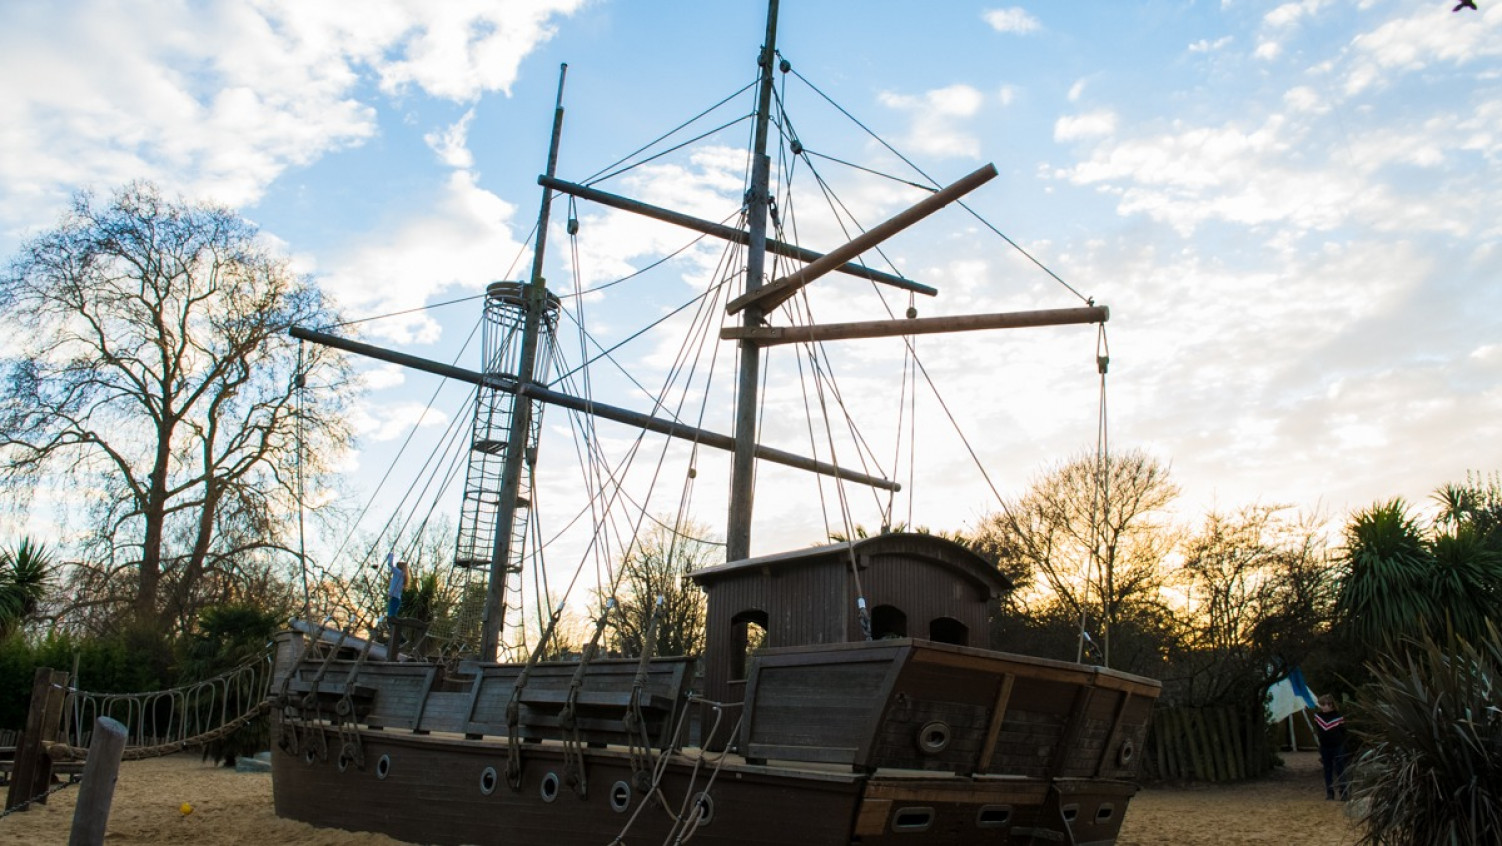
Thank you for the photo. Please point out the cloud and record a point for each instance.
(1291, 14)
(1014, 19)
(1098, 123)
(451, 144)
(938, 119)
(450, 244)
(1413, 43)
(217, 99)
(1207, 46)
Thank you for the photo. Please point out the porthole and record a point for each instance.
(909, 820)
(705, 803)
(1128, 751)
(1070, 812)
(309, 756)
(549, 787)
(993, 816)
(1105, 812)
(383, 767)
(934, 737)
(620, 796)
(488, 780)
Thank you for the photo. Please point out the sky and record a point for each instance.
(1289, 207)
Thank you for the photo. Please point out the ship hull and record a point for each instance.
(427, 789)
(397, 748)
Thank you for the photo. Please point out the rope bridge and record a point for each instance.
(164, 722)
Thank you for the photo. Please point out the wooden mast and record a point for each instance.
(743, 466)
(535, 292)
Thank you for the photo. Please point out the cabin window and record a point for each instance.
(748, 634)
(949, 630)
(888, 621)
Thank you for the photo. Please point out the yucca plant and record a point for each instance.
(1431, 768)
(1385, 590)
(25, 576)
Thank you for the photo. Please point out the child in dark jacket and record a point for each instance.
(1331, 728)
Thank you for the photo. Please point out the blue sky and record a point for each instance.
(1290, 207)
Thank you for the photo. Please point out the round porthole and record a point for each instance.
(488, 779)
(383, 766)
(934, 737)
(620, 796)
(309, 756)
(705, 803)
(549, 787)
(1128, 751)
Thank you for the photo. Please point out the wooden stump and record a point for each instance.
(33, 770)
(92, 813)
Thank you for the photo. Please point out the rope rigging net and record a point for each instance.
(611, 501)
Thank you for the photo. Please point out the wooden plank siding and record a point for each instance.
(873, 705)
(416, 697)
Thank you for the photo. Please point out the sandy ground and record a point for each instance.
(232, 807)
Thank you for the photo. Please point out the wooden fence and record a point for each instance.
(1208, 744)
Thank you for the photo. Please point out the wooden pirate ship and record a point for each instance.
(845, 694)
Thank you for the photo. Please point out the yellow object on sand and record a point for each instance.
(185, 808)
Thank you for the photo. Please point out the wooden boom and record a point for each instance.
(769, 335)
(609, 412)
(775, 294)
(720, 230)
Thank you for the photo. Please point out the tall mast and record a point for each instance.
(535, 294)
(743, 467)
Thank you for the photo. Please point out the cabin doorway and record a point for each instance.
(949, 630)
(888, 621)
(749, 633)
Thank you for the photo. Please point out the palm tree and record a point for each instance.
(25, 574)
(1385, 593)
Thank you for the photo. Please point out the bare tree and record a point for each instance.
(1093, 537)
(1259, 588)
(657, 566)
(155, 374)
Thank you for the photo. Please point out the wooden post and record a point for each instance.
(92, 813)
(33, 773)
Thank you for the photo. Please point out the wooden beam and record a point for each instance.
(727, 233)
(769, 335)
(772, 295)
(998, 716)
(534, 391)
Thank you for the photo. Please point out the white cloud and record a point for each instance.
(1430, 36)
(1290, 14)
(217, 99)
(1015, 19)
(453, 244)
(938, 119)
(451, 144)
(1268, 50)
(1207, 46)
(1304, 99)
(1096, 124)
(1076, 91)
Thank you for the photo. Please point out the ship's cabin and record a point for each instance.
(915, 585)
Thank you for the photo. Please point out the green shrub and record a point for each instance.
(1431, 772)
(227, 636)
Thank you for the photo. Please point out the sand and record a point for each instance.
(234, 807)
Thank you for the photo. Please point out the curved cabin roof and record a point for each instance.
(948, 555)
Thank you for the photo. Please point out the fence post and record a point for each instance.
(92, 813)
(33, 773)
